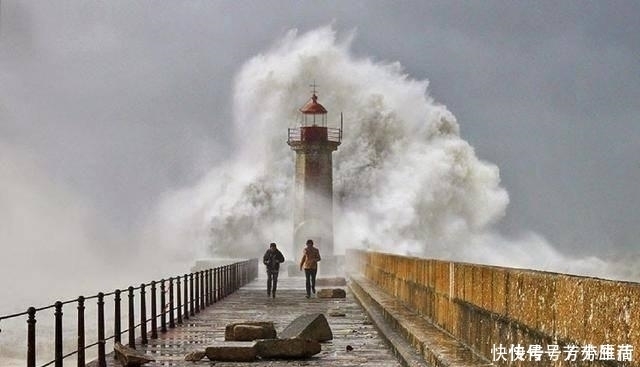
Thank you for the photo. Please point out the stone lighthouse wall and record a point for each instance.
(485, 306)
(313, 207)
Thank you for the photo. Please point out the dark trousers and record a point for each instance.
(272, 282)
(310, 274)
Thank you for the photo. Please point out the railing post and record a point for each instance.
(226, 280)
(206, 288)
(31, 337)
(191, 295)
(233, 278)
(201, 289)
(210, 283)
(81, 332)
(172, 322)
(179, 300)
(58, 335)
(214, 271)
(241, 268)
(229, 280)
(154, 311)
(163, 302)
(222, 281)
(219, 271)
(243, 273)
(234, 275)
(132, 320)
(116, 318)
(197, 289)
(102, 360)
(143, 315)
(186, 297)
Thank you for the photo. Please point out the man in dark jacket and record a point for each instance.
(272, 259)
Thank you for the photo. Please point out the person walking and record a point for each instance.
(272, 259)
(309, 262)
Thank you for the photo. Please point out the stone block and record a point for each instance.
(130, 357)
(248, 330)
(309, 326)
(232, 352)
(332, 293)
(287, 348)
(247, 333)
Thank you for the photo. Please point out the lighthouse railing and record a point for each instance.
(295, 135)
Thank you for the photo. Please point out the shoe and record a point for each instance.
(268, 294)
(313, 290)
(307, 296)
(274, 295)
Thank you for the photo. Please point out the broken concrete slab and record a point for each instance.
(249, 330)
(232, 352)
(332, 293)
(252, 332)
(309, 326)
(130, 357)
(287, 348)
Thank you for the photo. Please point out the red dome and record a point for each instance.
(313, 107)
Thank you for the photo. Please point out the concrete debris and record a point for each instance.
(249, 330)
(287, 348)
(130, 357)
(232, 352)
(309, 326)
(332, 293)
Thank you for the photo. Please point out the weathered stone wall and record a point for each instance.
(485, 306)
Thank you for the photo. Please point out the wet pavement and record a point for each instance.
(251, 303)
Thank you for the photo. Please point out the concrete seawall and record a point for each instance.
(488, 306)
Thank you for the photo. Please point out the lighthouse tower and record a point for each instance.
(313, 142)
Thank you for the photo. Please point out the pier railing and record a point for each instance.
(172, 302)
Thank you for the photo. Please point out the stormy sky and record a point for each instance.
(105, 107)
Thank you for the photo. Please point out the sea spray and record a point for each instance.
(404, 179)
(402, 170)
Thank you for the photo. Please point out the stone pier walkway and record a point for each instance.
(251, 303)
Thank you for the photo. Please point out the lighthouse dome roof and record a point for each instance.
(312, 107)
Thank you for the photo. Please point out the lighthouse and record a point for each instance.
(313, 143)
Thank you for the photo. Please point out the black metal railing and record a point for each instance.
(295, 135)
(199, 290)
